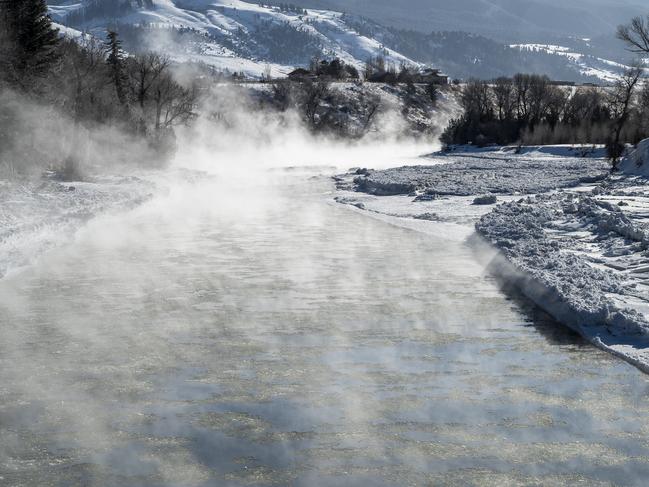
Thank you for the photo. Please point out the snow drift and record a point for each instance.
(582, 258)
(637, 162)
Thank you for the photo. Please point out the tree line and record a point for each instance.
(92, 82)
(286, 7)
(531, 109)
(357, 110)
(324, 110)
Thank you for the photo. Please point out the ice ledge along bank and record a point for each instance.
(583, 259)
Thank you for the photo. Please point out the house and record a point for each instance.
(384, 77)
(563, 83)
(408, 75)
(301, 74)
(431, 75)
(334, 70)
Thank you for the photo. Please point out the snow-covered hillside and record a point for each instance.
(238, 36)
(253, 38)
(500, 19)
(588, 65)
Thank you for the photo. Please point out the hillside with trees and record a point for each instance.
(286, 34)
(77, 87)
(505, 20)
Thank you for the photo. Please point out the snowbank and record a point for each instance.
(581, 257)
(637, 162)
(36, 216)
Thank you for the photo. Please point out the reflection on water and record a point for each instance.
(292, 341)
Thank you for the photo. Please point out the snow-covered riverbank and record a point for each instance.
(507, 171)
(583, 258)
(577, 244)
(38, 215)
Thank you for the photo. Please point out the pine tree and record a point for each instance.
(7, 39)
(31, 39)
(115, 61)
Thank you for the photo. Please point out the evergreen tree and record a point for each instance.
(31, 40)
(115, 61)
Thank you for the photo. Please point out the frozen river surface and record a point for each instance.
(265, 336)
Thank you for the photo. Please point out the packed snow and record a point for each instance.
(583, 257)
(637, 161)
(509, 170)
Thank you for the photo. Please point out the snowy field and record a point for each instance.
(572, 238)
(504, 171)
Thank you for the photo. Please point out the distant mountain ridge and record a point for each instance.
(507, 20)
(256, 37)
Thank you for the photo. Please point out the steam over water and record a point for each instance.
(257, 334)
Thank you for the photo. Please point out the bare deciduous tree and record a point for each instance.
(283, 94)
(636, 35)
(643, 110)
(555, 105)
(83, 62)
(504, 98)
(476, 99)
(174, 104)
(522, 84)
(144, 71)
(312, 97)
(620, 100)
(371, 105)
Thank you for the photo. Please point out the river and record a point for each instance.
(264, 335)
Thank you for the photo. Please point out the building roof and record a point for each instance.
(299, 72)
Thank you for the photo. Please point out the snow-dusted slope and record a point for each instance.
(505, 19)
(251, 37)
(235, 35)
(588, 65)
